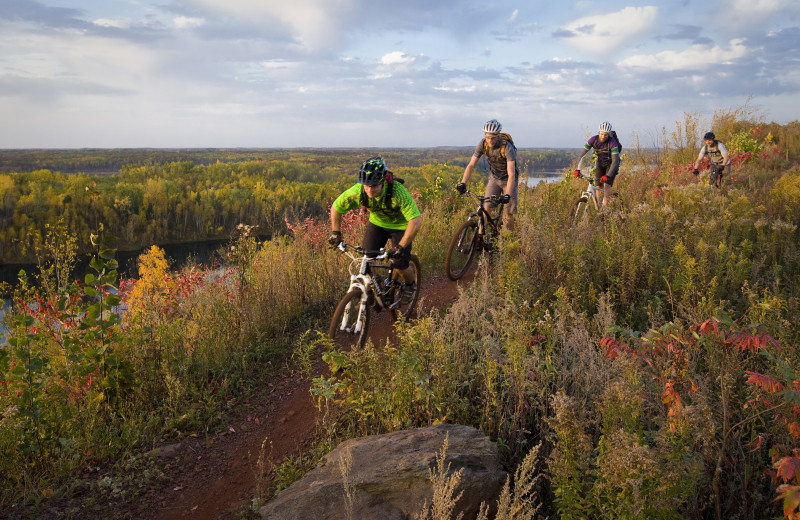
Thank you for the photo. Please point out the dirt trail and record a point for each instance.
(211, 480)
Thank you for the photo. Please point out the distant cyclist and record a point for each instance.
(392, 214)
(606, 148)
(501, 154)
(718, 155)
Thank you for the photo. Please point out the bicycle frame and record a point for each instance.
(473, 237)
(482, 214)
(592, 190)
(365, 280)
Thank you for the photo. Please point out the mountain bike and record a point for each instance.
(374, 284)
(480, 232)
(715, 173)
(590, 194)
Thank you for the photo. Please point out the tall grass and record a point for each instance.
(82, 387)
(650, 350)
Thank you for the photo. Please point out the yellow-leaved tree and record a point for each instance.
(148, 294)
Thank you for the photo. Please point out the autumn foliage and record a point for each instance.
(649, 352)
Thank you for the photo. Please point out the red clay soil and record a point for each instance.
(212, 480)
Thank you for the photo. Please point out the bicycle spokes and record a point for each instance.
(351, 319)
(462, 249)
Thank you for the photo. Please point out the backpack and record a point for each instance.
(387, 198)
(614, 133)
(505, 136)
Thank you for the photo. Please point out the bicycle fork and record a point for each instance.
(361, 308)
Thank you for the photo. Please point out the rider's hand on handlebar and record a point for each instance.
(396, 252)
(604, 178)
(696, 171)
(461, 188)
(504, 199)
(335, 239)
(576, 173)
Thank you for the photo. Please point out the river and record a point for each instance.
(545, 176)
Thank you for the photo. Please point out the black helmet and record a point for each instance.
(372, 171)
(709, 135)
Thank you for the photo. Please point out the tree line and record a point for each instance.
(148, 202)
(104, 160)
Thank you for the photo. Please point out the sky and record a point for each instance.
(384, 73)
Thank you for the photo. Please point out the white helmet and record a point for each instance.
(605, 126)
(492, 127)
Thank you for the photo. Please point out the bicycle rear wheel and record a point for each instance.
(579, 209)
(350, 321)
(396, 304)
(461, 250)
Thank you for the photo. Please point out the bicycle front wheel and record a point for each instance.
(579, 209)
(350, 321)
(402, 304)
(461, 250)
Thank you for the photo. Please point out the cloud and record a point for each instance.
(187, 22)
(315, 25)
(602, 35)
(783, 46)
(759, 7)
(685, 32)
(118, 24)
(327, 27)
(749, 16)
(38, 13)
(397, 58)
(696, 57)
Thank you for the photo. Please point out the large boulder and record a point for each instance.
(389, 476)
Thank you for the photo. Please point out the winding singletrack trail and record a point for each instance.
(212, 479)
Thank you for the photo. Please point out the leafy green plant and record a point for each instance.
(63, 375)
(743, 142)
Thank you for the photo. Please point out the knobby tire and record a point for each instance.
(579, 209)
(461, 251)
(348, 337)
(397, 292)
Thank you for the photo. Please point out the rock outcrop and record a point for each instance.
(388, 477)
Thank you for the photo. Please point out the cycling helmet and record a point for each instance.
(372, 172)
(492, 127)
(709, 136)
(605, 127)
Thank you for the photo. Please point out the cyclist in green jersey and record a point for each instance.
(392, 214)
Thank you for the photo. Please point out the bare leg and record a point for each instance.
(508, 221)
(607, 190)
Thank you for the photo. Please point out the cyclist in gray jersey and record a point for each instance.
(501, 154)
(717, 155)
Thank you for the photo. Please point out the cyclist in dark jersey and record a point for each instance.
(606, 149)
(503, 174)
(718, 155)
(392, 214)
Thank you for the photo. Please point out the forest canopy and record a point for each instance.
(174, 196)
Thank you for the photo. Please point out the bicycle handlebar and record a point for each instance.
(379, 254)
(482, 198)
(587, 177)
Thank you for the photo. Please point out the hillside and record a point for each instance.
(649, 349)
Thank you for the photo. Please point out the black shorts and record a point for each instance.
(375, 237)
(603, 169)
